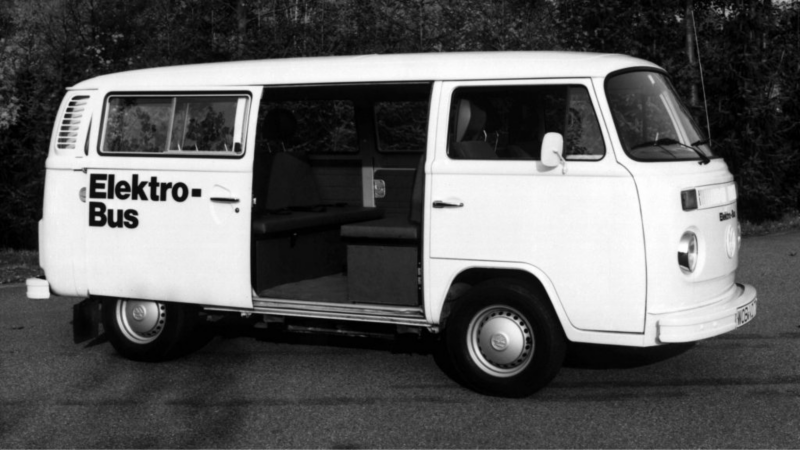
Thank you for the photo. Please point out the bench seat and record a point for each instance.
(389, 228)
(266, 224)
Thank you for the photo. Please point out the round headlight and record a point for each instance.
(733, 240)
(687, 252)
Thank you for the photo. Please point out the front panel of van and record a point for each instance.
(670, 287)
(688, 200)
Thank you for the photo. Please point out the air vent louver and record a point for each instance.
(68, 133)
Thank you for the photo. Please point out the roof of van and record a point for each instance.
(374, 68)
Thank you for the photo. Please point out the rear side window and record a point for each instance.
(321, 126)
(175, 125)
(402, 126)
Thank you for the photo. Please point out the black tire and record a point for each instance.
(504, 339)
(144, 330)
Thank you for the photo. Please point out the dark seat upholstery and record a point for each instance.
(300, 220)
(279, 125)
(389, 228)
(291, 184)
(286, 192)
(471, 134)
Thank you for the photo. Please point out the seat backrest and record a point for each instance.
(471, 134)
(278, 125)
(291, 184)
(281, 180)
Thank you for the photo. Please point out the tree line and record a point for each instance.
(748, 50)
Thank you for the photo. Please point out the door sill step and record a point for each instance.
(398, 315)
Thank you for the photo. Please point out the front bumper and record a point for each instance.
(705, 322)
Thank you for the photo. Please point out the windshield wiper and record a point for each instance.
(703, 158)
(656, 143)
(671, 141)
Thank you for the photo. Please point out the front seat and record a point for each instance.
(471, 134)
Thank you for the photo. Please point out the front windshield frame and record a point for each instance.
(666, 131)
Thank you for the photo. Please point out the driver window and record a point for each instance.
(509, 122)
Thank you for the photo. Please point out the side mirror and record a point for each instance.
(552, 150)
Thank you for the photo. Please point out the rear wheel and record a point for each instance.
(503, 339)
(146, 330)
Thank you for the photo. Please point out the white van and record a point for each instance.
(510, 201)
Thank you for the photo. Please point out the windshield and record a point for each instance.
(652, 123)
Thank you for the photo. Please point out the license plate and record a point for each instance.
(746, 313)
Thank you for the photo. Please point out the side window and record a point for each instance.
(308, 126)
(582, 137)
(137, 124)
(185, 126)
(402, 126)
(203, 124)
(510, 122)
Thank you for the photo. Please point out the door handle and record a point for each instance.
(225, 199)
(441, 204)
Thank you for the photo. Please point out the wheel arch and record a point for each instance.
(474, 276)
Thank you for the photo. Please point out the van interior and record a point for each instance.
(338, 192)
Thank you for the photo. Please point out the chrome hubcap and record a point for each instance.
(500, 341)
(141, 321)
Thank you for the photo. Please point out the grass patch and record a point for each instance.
(789, 221)
(17, 265)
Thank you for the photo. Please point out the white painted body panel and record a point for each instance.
(195, 251)
(669, 288)
(581, 229)
(62, 233)
(62, 230)
(374, 69)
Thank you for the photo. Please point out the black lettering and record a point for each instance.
(164, 189)
(131, 218)
(184, 192)
(96, 185)
(197, 192)
(97, 214)
(154, 189)
(122, 190)
(138, 189)
(111, 186)
(112, 222)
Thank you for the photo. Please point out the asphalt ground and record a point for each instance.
(246, 387)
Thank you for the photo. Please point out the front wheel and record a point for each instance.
(503, 339)
(145, 330)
